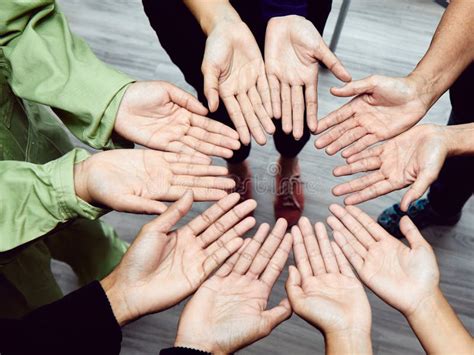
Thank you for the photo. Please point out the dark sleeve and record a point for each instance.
(79, 323)
(275, 8)
(182, 351)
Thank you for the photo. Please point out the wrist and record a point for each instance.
(458, 139)
(213, 14)
(426, 307)
(117, 300)
(80, 181)
(425, 88)
(349, 341)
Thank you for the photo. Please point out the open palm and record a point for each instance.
(161, 116)
(233, 69)
(229, 310)
(323, 288)
(384, 108)
(402, 276)
(414, 157)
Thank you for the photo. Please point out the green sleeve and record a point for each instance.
(35, 199)
(45, 63)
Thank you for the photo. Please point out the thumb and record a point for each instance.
(138, 204)
(354, 87)
(332, 63)
(277, 314)
(416, 190)
(211, 87)
(173, 214)
(411, 232)
(185, 100)
(293, 284)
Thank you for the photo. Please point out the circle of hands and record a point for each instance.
(231, 279)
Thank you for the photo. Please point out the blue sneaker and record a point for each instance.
(420, 212)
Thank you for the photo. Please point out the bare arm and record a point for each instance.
(459, 139)
(207, 13)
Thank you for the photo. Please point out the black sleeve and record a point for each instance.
(182, 351)
(79, 323)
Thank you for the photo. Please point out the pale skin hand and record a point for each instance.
(164, 266)
(324, 290)
(233, 69)
(293, 49)
(158, 115)
(413, 158)
(383, 108)
(403, 276)
(137, 181)
(229, 311)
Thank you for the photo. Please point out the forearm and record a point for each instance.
(354, 342)
(209, 13)
(450, 52)
(460, 139)
(435, 316)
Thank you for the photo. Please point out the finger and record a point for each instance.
(335, 117)
(355, 87)
(297, 105)
(185, 99)
(211, 87)
(213, 126)
(262, 114)
(301, 256)
(138, 204)
(212, 214)
(378, 189)
(417, 190)
(346, 139)
(335, 133)
(293, 285)
(252, 121)
(182, 158)
(360, 145)
(264, 92)
(247, 256)
(286, 119)
(358, 184)
(185, 150)
(277, 314)
(226, 269)
(236, 231)
(342, 261)
(277, 262)
(363, 165)
(198, 170)
(200, 193)
(173, 214)
(375, 230)
(224, 223)
(353, 225)
(412, 233)
(275, 95)
(199, 181)
(337, 226)
(367, 153)
(217, 139)
(235, 114)
(312, 247)
(311, 98)
(356, 260)
(325, 247)
(332, 62)
(268, 248)
(213, 261)
(206, 148)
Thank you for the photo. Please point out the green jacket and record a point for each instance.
(42, 63)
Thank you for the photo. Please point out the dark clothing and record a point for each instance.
(455, 184)
(181, 351)
(182, 38)
(80, 323)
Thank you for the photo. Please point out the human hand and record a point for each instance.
(233, 69)
(139, 180)
(228, 311)
(164, 266)
(383, 108)
(402, 276)
(158, 115)
(322, 288)
(293, 49)
(414, 157)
